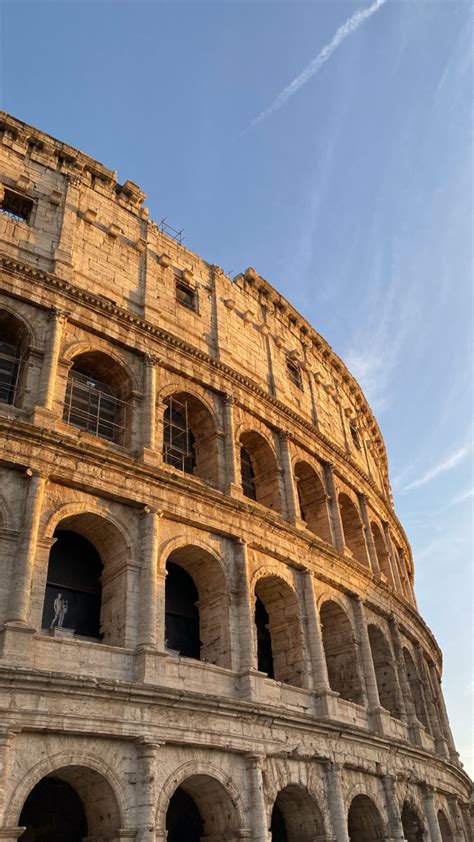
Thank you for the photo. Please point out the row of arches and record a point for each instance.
(77, 802)
(85, 576)
(98, 400)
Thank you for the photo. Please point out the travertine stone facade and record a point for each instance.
(283, 507)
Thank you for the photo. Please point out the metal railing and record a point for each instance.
(178, 440)
(94, 410)
(9, 375)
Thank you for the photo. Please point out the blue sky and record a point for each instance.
(354, 199)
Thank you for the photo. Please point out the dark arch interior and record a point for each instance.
(248, 475)
(96, 395)
(178, 438)
(277, 827)
(74, 571)
(264, 640)
(181, 612)
(444, 827)
(53, 812)
(364, 823)
(183, 819)
(412, 828)
(13, 344)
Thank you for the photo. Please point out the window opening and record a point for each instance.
(264, 640)
(92, 406)
(15, 205)
(355, 435)
(183, 819)
(249, 485)
(186, 295)
(300, 501)
(181, 613)
(294, 373)
(179, 443)
(9, 372)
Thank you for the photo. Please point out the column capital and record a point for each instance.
(284, 435)
(58, 315)
(229, 399)
(255, 760)
(152, 360)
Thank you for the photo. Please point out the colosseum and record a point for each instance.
(209, 629)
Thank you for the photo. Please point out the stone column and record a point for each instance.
(334, 512)
(22, 570)
(453, 754)
(368, 669)
(148, 590)
(146, 790)
(49, 368)
(393, 560)
(149, 408)
(393, 810)
(291, 498)
(258, 822)
(233, 483)
(407, 710)
(248, 662)
(431, 708)
(315, 640)
(369, 538)
(457, 819)
(63, 266)
(336, 802)
(431, 817)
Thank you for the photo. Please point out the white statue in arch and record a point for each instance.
(60, 606)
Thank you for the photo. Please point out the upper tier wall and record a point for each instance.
(93, 232)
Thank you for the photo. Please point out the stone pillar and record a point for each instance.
(149, 408)
(148, 590)
(326, 699)
(397, 582)
(336, 802)
(49, 368)
(258, 822)
(430, 704)
(368, 669)
(453, 754)
(457, 819)
(248, 662)
(334, 512)
(369, 538)
(393, 810)
(291, 498)
(63, 264)
(233, 483)
(22, 570)
(146, 793)
(407, 710)
(431, 817)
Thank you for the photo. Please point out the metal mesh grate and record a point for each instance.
(9, 372)
(92, 407)
(178, 440)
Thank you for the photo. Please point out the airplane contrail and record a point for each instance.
(314, 66)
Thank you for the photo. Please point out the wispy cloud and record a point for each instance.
(461, 498)
(314, 66)
(446, 465)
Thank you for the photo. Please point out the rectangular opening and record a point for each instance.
(16, 205)
(294, 373)
(186, 295)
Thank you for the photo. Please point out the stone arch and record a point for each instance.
(217, 800)
(383, 555)
(211, 623)
(383, 660)
(412, 823)
(364, 820)
(95, 783)
(445, 827)
(72, 350)
(280, 641)
(340, 650)
(98, 394)
(15, 340)
(190, 433)
(415, 687)
(109, 540)
(354, 538)
(312, 500)
(259, 469)
(296, 816)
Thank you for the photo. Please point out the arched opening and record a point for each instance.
(353, 532)
(296, 816)
(312, 501)
(382, 553)
(197, 606)
(88, 567)
(384, 671)
(97, 395)
(201, 808)
(71, 803)
(14, 342)
(364, 822)
(415, 688)
(412, 826)
(259, 471)
(284, 652)
(190, 437)
(340, 651)
(444, 827)
(73, 588)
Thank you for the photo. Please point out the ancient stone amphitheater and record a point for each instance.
(209, 630)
